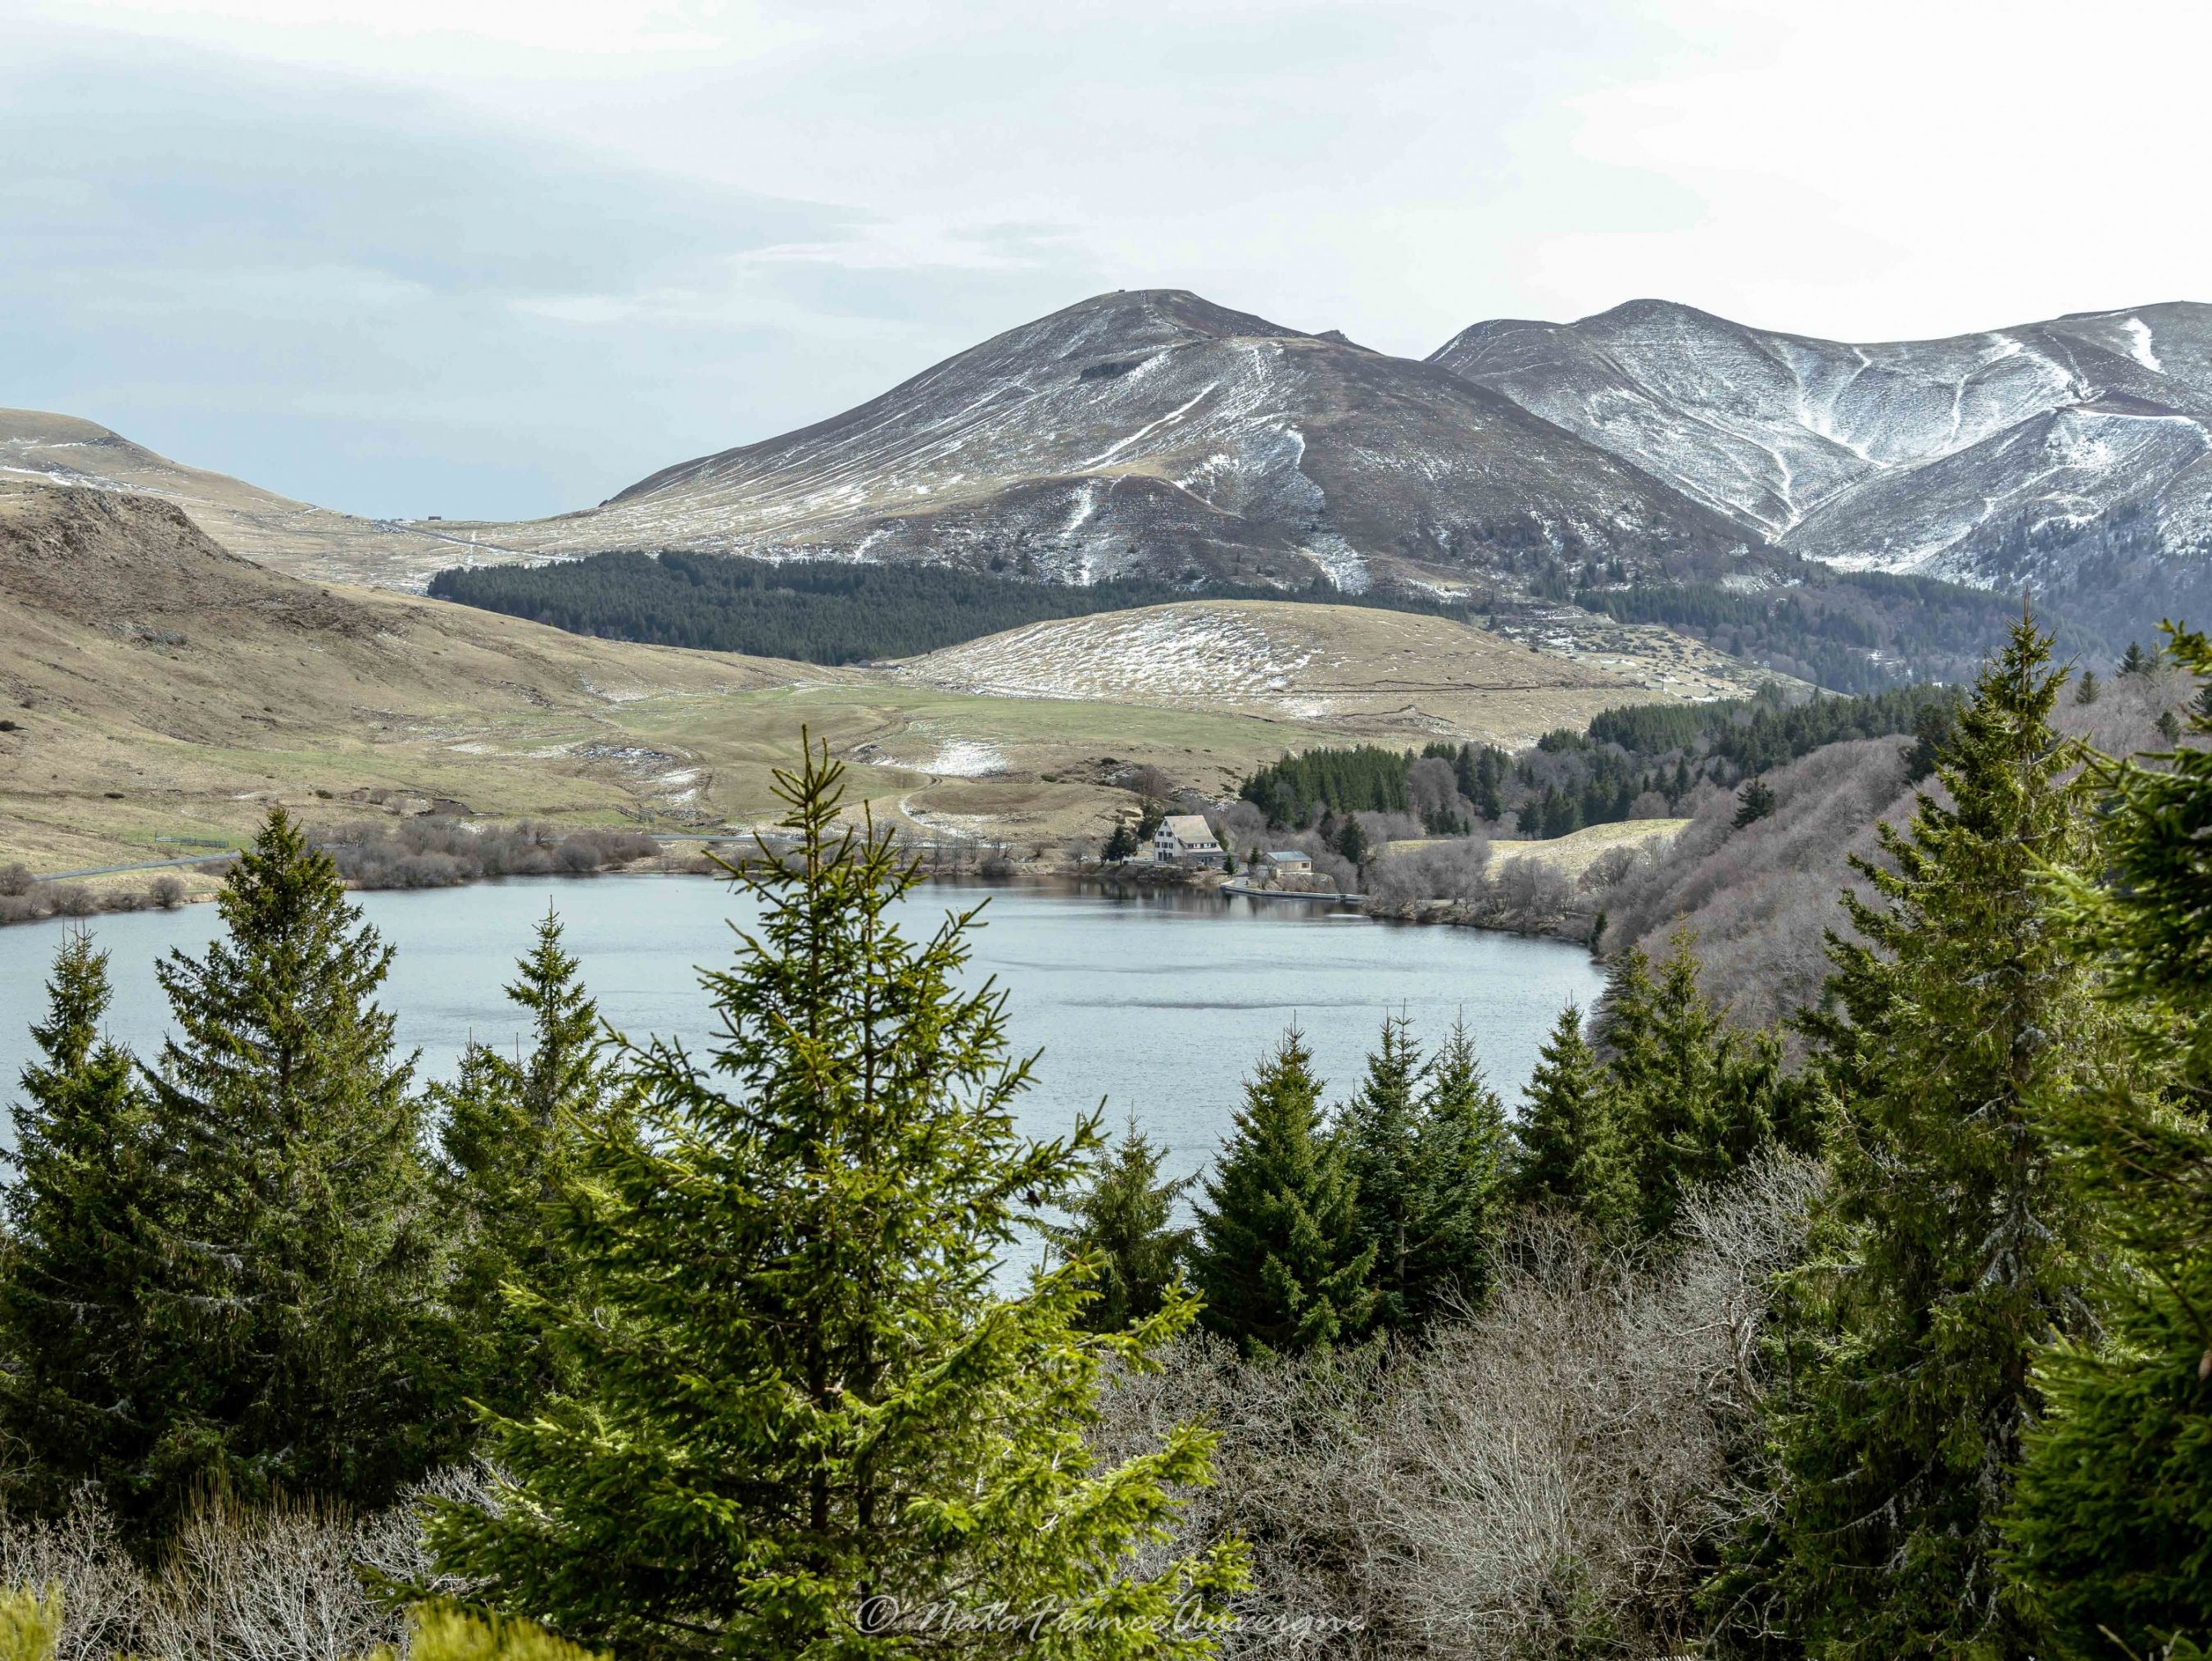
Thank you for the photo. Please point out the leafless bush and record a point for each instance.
(1532, 886)
(285, 1582)
(168, 892)
(1443, 870)
(14, 879)
(72, 900)
(440, 853)
(1539, 1480)
(1759, 898)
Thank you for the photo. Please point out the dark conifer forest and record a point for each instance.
(817, 611)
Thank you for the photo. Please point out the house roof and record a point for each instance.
(1288, 854)
(1188, 827)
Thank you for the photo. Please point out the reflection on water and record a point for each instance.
(1158, 1003)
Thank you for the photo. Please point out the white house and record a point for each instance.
(1186, 839)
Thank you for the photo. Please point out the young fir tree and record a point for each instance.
(806, 1419)
(1459, 1164)
(1279, 1259)
(512, 1130)
(1694, 1098)
(2112, 1528)
(1123, 1225)
(1950, 1250)
(75, 1361)
(297, 1293)
(1381, 1131)
(1570, 1155)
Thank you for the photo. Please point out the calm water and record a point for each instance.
(1158, 1004)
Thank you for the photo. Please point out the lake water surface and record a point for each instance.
(1158, 1003)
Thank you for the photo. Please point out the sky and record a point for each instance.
(491, 259)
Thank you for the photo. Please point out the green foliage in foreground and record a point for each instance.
(224, 1275)
(512, 1130)
(805, 1423)
(2111, 1531)
(1570, 1155)
(1425, 1144)
(30, 1623)
(1280, 1259)
(1122, 1224)
(1950, 1248)
(77, 1384)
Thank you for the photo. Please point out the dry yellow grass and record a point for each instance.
(1574, 853)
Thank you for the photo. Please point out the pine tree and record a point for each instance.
(1950, 1250)
(1380, 1133)
(1121, 845)
(1692, 1097)
(512, 1131)
(805, 1420)
(2136, 662)
(75, 1359)
(1123, 1226)
(2112, 1529)
(1280, 1260)
(1570, 1155)
(1754, 802)
(1461, 1161)
(295, 1298)
(2086, 691)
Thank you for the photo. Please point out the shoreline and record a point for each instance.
(1121, 881)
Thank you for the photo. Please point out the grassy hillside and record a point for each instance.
(160, 687)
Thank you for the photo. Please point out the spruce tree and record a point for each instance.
(2112, 1529)
(805, 1420)
(1382, 1133)
(1461, 1159)
(1280, 1262)
(512, 1130)
(296, 1299)
(1570, 1155)
(75, 1358)
(1691, 1096)
(1949, 1250)
(1123, 1225)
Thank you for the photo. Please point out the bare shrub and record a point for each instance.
(1443, 870)
(1532, 886)
(439, 853)
(1540, 1479)
(1759, 898)
(15, 879)
(285, 1582)
(72, 900)
(168, 892)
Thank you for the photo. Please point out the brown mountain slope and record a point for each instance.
(39, 447)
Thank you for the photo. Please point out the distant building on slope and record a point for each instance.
(1288, 861)
(1186, 839)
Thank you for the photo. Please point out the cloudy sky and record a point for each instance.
(489, 258)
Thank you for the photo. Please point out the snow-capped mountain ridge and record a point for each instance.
(1932, 455)
(1155, 430)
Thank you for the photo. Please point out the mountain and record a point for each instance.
(2070, 455)
(1152, 432)
(307, 541)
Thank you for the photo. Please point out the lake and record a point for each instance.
(1158, 1003)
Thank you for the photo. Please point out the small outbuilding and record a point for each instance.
(1288, 861)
